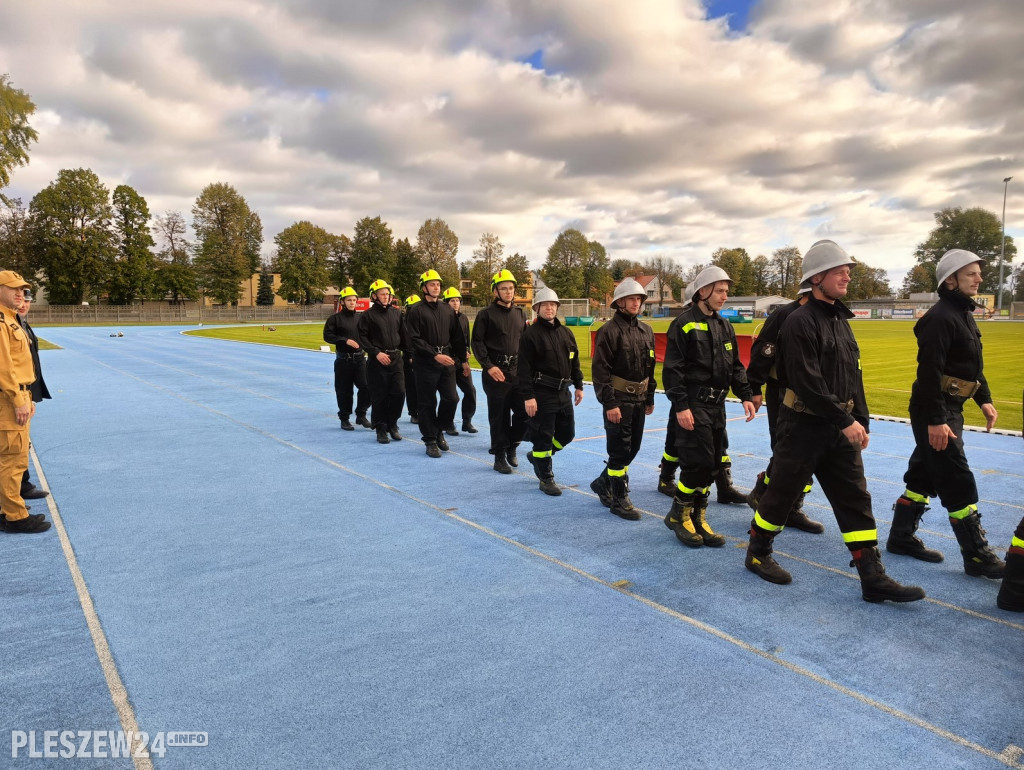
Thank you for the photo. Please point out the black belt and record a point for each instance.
(392, 353)
(354, 356)
(709, 395)
(505, 361)
(551, 382)
(442, 350)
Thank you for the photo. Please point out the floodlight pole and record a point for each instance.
(1002, 250)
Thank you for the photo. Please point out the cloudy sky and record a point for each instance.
(658, 127)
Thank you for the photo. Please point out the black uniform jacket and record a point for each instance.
(821, 360)
(342, 327)
(464, 325)
(624, 347)
(948, 342)
(764, 351)
(497, 331)
(380, 329)
(548, 348)
(701, 350)
(434, 328)
(38, 388)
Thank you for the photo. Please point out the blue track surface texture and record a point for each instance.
(309, 598)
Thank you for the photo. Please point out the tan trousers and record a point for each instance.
(13, 464)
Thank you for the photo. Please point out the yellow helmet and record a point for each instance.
(348, 291)
(379, 284)
(412, 299)
(451, 293)
(430, 275)
(500, 277)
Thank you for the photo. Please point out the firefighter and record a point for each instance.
(702, 363)
(341, 330)
(624, 383)
(549, 361)
(463, 375)
(381, 330)
(410, 374)
(822, 429)
(436, 341)
(1011, 592)
(497, 332)
(763, 371)
(949, 372)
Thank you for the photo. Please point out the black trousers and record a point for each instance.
(387, 391)
(410, 385)
(554, 426)
(505, 412)
(349, 372)
(945, 473)
(672, 448)
(433, 380)
(465, 384)
(623, 439)
(808, 445)
(700, 451)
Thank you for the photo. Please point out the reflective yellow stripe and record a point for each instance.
(685, 490)
(555, 443)
(541, 455)
(694, 325)
(650, 354)
(766, 479)
(728, 346)
(726, 459)
(915, 498)
(617, 473)
(1017, 543)
(862, 536)
(766, 525)
(670, 458)
(572, 354)
(807, 489)
(963, 513)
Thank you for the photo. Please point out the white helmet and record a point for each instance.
(823, 256)
(628, 287)
(706, 277)
(545, 295)
(951, 262)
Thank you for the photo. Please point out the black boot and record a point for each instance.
(875, 585)
(467, 427)
(906, 517)
(363, 422)
(759, 558)
(799, 520)
(1011, 592)
(667, 477)
(621, 505)
(754, 497)
(602, 489)
(700, 521)
(727, 493)
(680, 520)
(512, 460)
(542, 466)
(382, 435)
(500, 463)
(393, 432)
(451, 431)
(979, 560)
(345, 425)
(442, 442)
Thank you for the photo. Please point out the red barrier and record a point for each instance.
(744, 342)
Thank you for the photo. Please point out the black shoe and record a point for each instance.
(442, 443)
(600, 487)
(875, 585)
(32, 492)
(27, 526)
(512, 459)
(800, 520)
(382, 436)
(345, 425)
(414, 419)
(433, 451)
(549, 487)
(393, 432)
(667, 486)
(450, 430)
(362, 421)
(500, 463)
(467, 427)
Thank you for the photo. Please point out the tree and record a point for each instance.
(761, 275)
(14, 236)
(597, 279)
(665, 270)
(918, 279)
(174, 272)
(265, 292)
(975, 230)
(229, 236)
(487, 260)
(337, 262)
(567, 258)
(786, 266)
(519, 266)
(372, 255)
(408, 269)
(303, 251)
(621, 268)
(737, 263)
(132, 273)
(867, 282)
(71, 240)
(437, 246)
(15, 133)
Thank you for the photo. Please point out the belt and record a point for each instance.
(627, 386)
(505, 361)
(794, 403)
(442, 350)
(353, 356)
(552, 382)
(392, 353)
(709, 395)
(954, 386)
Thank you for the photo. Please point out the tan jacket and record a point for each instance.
(16, 373)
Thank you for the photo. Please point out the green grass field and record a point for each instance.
(888, 348)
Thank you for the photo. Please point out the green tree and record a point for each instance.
(15, 133)
(303, 252)
(174, 272)
(71, 240)
(867, 282)
(919, 279)
(666, 271)
(133, 271)
(621, 268)
(265, 292)
(519, 266)
(737, 263)
(761, 276)
(487, 260)
(786, 265)
(597, 278)
(14, 236)
(408, 269)
(975, 230)
(337, 263)
(567, 259)
(437, 246)
(373, 254)
(229, 236)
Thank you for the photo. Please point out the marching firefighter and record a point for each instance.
(341, 330)
(497, 332)
(702, 363)
(822, 429)
(763, 371)
(436, 340)
(410, 373)
(1011, 592)
(624, 383)
(549, 361)
(381, 331)
(949, 372)
(463, 375)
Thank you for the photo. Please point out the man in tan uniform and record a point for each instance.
(16, 409)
